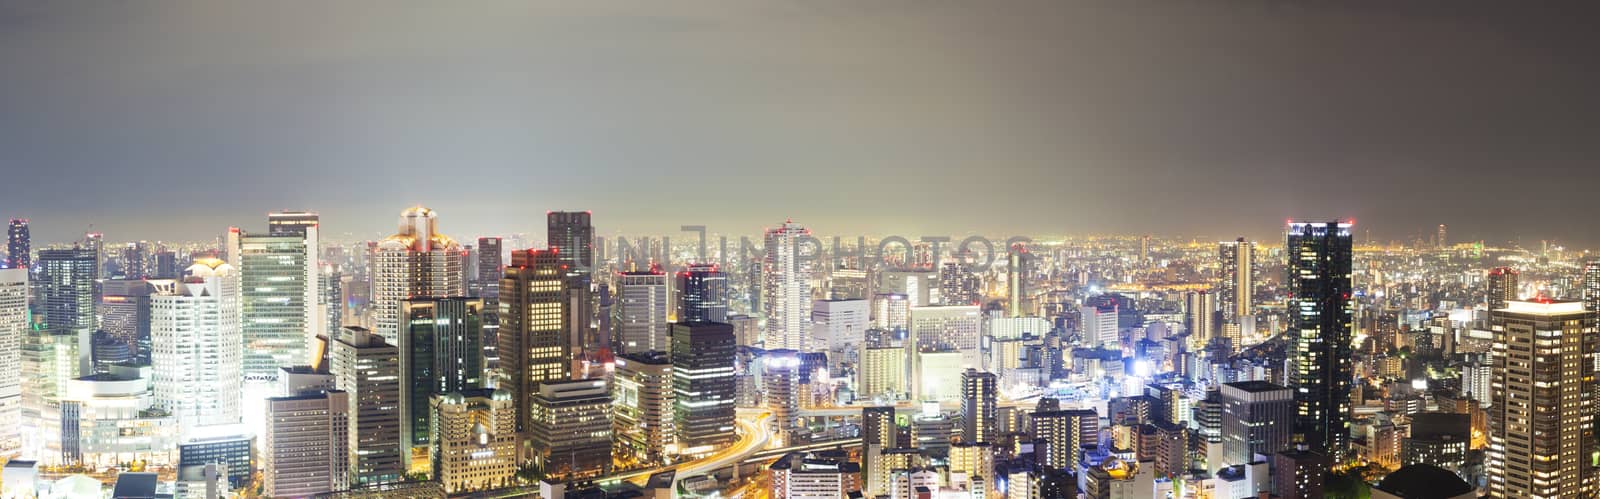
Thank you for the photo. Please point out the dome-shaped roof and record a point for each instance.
(500, 395)
(454, 398)
(1424, 481)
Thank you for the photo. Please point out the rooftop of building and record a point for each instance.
(1256, 386)
(1424, 480)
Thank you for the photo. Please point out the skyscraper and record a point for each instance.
(1200, 315)
(68, 289)
(416, 262)
(124, 310)
(1442, 240)
(703, 385)
(1320, 255)
(13, 328)
(571, 236)
(702, 294)
(571, 428)
(1503, 287)
(18, 244)
(439, 354)
(1016, 280)
(839, 325)
(303, 451)
(490, 267)
(135, 259)
(786, 287)
(1257, 418)
(978, 401)
(279, 275)
(640, 314)
(1236, 278)
(196, 341)
(1591, 285)
(532, 346)
(642, 418)
(368, 369)
(1541, 420)
(95, 242)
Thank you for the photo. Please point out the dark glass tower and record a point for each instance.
(68, 276)
(17, 245)
(1319, 334)
(570, 234)
(439, 353)
(490, 267)
(702, 294)
(703, 381)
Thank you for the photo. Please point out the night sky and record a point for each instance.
(174, 120)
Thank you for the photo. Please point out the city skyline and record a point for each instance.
(1068, 111)
(820, 249)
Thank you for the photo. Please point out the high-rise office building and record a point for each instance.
(50, 358)
(978, 400)
(474, 440)
(68, 288)
(640, 313)
(571, 429)
(702, 294)
(13, 328)
(135, 260)
(95, 242)
(124, 310)
(703, 385)
(1200, 315)
(167, 265)
(786, 287)
(780, 386)
(1591, 285)
(197, 342)
(303, 452)
(642, 417)
(18, 245)
(1320, 307)
(1016, 280)
(571, 236)
(1502, 287)
(490, 268)
(1257, 418)
(1443, 241)
(368, 370)
(838, 325)
(533, 347)
(486, 284)
(416, 262)
(439, 354)
(1236, 278)
(279, 273)
(1541, 420)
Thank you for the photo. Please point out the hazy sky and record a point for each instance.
(175, 120)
